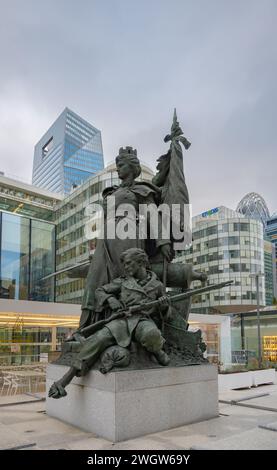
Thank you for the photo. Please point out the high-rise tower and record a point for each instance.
(68, 153)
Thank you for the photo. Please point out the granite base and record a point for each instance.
(126, 404)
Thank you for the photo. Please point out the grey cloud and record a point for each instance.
(124, 65)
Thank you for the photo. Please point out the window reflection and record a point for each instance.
(42, 260)
(27, 255)
(15, 257)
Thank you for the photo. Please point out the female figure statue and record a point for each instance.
(105, 264)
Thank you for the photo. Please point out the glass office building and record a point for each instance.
(33, 331)
(27, 241)
(245, 337)
(27, 254)
(68, 154)
(227, 246)
(271, 232)
(269, 268)
(24, 199)
(254, 206)
(27, 248)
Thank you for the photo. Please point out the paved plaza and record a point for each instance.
(247, 420)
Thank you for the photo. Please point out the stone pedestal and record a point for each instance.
(126, 404)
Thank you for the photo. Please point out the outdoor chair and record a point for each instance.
(7, 383)
(19, 383)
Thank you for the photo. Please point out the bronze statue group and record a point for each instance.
(125, 297)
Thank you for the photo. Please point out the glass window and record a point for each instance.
(211, 230)
(244, 227)
(233, 240)
(213, 269)
(226, 254)
(222, 241)
(42, 260)
(235, 267)
(15, 257)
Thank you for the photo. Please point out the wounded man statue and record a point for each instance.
(138, 286)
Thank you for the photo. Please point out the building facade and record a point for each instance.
(269, 268)
(27, 241)
(27, 255)
(27, 250)
(25, 199)
(33, 331)
(68, 154)
(254, 206)
(227, 246)
(245, 336)
(271, 232)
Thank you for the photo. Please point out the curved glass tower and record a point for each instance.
(254, 206)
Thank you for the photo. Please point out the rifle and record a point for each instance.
(89, 330)
(64, 270)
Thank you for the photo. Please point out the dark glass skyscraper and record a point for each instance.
(271, 231)
(68, 153)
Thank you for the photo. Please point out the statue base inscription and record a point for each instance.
(126, 404)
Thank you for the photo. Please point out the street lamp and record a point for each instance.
(257, 276)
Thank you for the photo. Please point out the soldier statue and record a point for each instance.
(137, 286)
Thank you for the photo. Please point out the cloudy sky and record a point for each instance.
(125, 64)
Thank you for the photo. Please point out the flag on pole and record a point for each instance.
(170, 178)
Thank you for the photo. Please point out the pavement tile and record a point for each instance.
(255, 439)
(92, 443)
(269, 401)
(237, 427)
(10, 438)
(143, 443)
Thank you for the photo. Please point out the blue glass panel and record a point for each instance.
(42, 260)
(15, 257)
